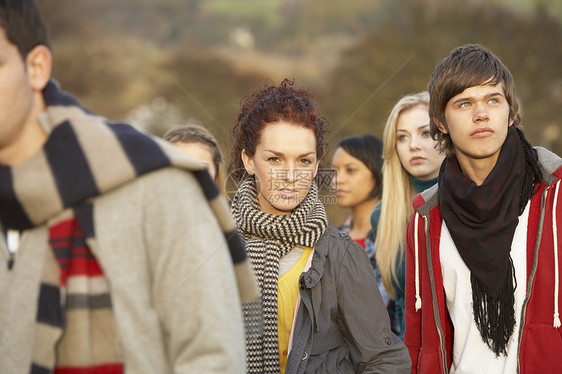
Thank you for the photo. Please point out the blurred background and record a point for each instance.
(158, 63)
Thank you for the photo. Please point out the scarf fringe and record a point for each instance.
(495, 317)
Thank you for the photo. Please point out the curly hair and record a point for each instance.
(272, 104)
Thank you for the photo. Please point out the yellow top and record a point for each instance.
(287, 295)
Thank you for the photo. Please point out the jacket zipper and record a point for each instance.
(533, 271)
(435, 305)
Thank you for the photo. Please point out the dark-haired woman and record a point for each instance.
(358, 183)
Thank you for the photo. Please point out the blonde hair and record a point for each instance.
(397, 195)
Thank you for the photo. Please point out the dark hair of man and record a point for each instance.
(23, 24)
(268, 105)
(367, 149)
(467, 66)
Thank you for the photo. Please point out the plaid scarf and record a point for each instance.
(85, 157)
(268, 238)
(482, 221)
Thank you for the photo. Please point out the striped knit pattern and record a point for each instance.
(268, 238)
(89, 343)
(84, 157)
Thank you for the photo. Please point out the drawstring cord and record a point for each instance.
(13, 242)
(557, 323)
(556, 280)
(417, 271)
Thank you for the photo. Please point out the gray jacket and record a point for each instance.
(342, 313)
(173, 288)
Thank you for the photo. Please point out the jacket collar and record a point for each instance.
(551, 167)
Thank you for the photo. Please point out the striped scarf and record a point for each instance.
(85, 157)
(269, 237)
(81, 324)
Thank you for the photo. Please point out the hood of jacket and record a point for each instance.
(549, 162)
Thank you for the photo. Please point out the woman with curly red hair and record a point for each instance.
(322, 311)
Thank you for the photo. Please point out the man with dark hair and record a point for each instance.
(482, 246)
(115, 248)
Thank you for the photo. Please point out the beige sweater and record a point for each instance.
(172, 282)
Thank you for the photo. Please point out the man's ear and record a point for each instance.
(440, 126)
(39, 64)
(511, 121)
(248, 163)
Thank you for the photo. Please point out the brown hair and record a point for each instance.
(192, 133)
(271, 104)
(467, 66)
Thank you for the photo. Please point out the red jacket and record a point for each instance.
(429, 331)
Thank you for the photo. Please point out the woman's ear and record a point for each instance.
(316, 169)
(248, 163)
(39, 65)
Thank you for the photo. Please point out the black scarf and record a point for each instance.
(482, 221)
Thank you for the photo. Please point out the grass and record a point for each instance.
(267, 10)
(554, 8)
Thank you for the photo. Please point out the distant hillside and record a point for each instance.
(118, 56)
(211, 22)
(160, 63)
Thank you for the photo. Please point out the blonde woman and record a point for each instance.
(411, 165)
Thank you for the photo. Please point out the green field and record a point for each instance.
(267, 11)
